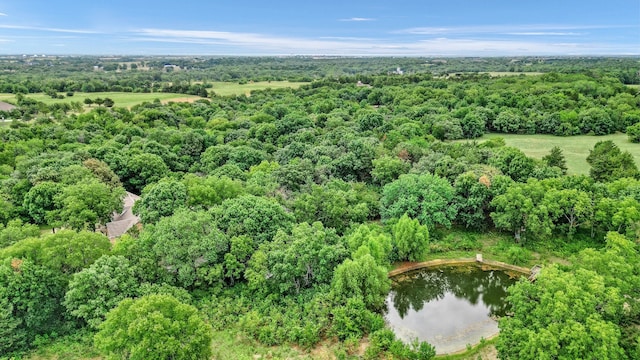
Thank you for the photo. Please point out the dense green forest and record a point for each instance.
(277, 216)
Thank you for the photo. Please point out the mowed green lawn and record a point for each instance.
(230, 88)
(575, 148)
(121, 99)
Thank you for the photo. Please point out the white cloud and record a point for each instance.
(358, 19)
(544, 33)
(3, 14)
(48, 29)
(233, 42)
(528, 29)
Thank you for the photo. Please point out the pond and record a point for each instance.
(449, 307)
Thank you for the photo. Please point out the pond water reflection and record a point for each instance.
(448, 307)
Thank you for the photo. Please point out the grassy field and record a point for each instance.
(127, 99)
(511, 73)
(121, 99)
(575, 148)
(229, 88)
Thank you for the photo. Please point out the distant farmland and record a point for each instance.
(575, 148)
(121, 99)
(229, 88)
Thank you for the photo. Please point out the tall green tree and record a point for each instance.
(411, 239)
(556, 158)
(189, 248)
(363, 279)
(160, 199)
(86, 204)
(154, 327)
(426, 197)
(608, 163)
(99, 288)
(257, 217)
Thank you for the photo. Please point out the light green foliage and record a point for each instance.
(154, 327)
(85, 204)
(520, 210)
(633, 132)
(353, 320)
(65, 252)
(621, 215)
(618, 264)
(411, 239)
(370, 239)
(304, 259)
(189, 248)
(427, 198)
(160, 199)
(99, 288)
(361, 278)
(257, 217)
(570, 208)
(337, 204)
(386, 169)
(517, 255)
(384, 342)
(179, 293)
(209, 191)
(562, 315)
(15, 231)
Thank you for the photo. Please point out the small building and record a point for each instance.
(125, 220)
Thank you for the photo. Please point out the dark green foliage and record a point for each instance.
(32, 297)
(304, 259)
(608, 163)
(160, 199)
(39, 202)
(513, 163)
(556, 158)
(141, 170)
(256, 217)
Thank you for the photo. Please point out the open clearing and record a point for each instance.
(575, 148)
(229, 88)
(121, 99)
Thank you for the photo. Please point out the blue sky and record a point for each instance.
(279, 27)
